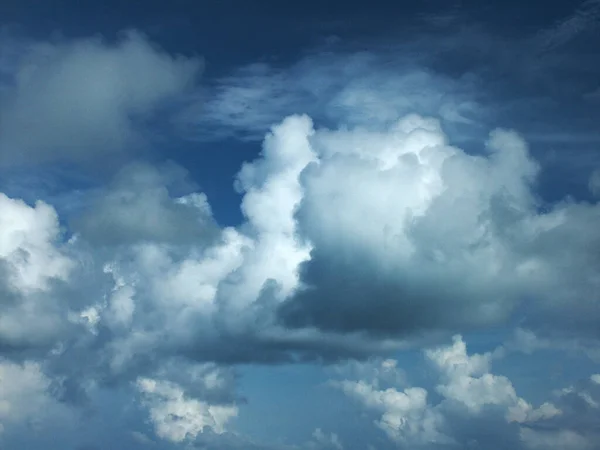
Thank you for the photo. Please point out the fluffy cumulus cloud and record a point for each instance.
(356, 240)
(177, 418)
(33, 264)
(474, 408)
(396, 218)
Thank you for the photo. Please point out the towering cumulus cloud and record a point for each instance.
(411, 234)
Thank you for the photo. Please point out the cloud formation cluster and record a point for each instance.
(476, 408)
(356, 240)
(382, 237)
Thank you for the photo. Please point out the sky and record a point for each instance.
(264, 225)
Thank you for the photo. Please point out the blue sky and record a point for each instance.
(299, 226)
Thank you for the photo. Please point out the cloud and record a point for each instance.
(27, 250)
(353, 243)
(405, 417)
(470, 76)
(395, 218)
(460, 71)
(178, 418)
(25, 398)
(476, 408)
(350, 88)
(576, 426)
(366, 230)
(73, 100)
(325, 441)
(32, 262)
(137, 207)
(527, 342)
(584, 19)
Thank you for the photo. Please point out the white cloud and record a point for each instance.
(467, 380)
(76, 99)
(177, 417)
(272, 194)
(353, 243)
(354, 239)
(471, 396)
(406, 416)
(27, 245)
(32, 260)
(25, 398)
(372, 235)
(407, 209)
